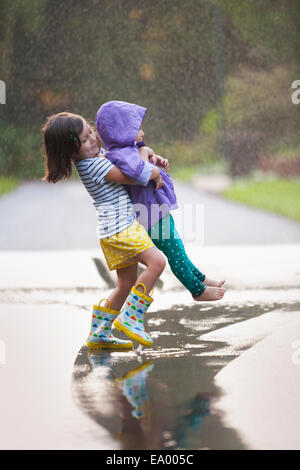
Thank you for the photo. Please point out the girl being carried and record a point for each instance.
(119, 125)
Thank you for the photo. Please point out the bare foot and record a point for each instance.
(212, 282)
(211, 293)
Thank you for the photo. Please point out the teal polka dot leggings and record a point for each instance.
(166, 238)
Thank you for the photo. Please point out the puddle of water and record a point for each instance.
(155, 402)
(182, 301)
(164, 398)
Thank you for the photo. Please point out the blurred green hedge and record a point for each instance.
(215, 75)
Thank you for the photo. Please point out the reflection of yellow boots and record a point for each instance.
(133, 387)
(99, 358)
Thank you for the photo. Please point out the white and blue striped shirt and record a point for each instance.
(114, 208)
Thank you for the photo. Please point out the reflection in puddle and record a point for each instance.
(191, 422)
(151, 404)
(166, 397)
(133, 387)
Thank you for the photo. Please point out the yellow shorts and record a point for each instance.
(120, 249)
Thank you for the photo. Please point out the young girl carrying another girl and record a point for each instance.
(68, 139)
(119, 125)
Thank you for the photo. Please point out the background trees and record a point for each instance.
(215, 75)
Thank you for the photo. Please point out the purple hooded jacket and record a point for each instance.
(118, 123)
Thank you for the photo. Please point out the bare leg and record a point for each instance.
(155, 263)
(212, 282)
(126, 279)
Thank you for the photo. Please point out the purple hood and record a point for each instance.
(118, 123)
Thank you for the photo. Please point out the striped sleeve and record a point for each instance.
(99, 169)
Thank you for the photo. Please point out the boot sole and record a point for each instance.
(109, 346)
(138, 339)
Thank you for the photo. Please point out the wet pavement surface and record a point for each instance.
(55, 394)
(61, 217)
(164, 397)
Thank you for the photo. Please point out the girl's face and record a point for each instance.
(89, 145)
(140, 135)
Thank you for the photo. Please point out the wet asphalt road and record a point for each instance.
(163, 398)
(40, 216)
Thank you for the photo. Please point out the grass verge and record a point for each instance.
(281, 196)
(8, 183)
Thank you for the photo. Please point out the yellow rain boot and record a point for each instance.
(101, 336)
(131, 318)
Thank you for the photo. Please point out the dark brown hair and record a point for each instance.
(61, 144)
